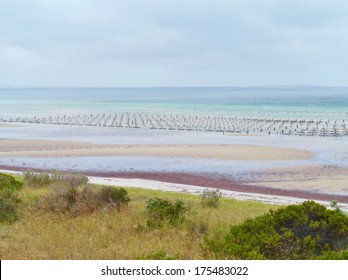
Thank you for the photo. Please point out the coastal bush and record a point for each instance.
(333, 255)
(161, 210)
(69, 193)
(210, 198)
(69, 180)
(79, 200)
(70, 184)
(303, 231)
(116, 197)
(35, 179)
(9, 188)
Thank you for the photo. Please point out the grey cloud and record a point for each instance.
(182, 42)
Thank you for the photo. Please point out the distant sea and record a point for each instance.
(272, 102)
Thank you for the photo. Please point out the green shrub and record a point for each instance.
(161, 210)
(303, 231)
(35, 179)
(335, 206)
(333, 255)
(116, 197)
(210, 198)
(9, 201)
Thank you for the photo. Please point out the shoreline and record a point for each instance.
(202, 180)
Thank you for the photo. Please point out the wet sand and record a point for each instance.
(315, 178)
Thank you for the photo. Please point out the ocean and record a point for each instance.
(268, 102)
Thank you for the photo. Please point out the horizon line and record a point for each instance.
(134, 87)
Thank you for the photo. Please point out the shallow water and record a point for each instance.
(235, 169)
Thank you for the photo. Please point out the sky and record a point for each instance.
(135, 43)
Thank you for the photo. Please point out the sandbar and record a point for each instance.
(48, 148)
(4, 125)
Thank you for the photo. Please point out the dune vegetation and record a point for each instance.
(61, 216)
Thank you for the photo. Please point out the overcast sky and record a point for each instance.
(173, 42)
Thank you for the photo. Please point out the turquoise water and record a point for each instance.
(273, 102)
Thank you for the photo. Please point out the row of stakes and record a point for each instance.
(300, 127)
(275, 112)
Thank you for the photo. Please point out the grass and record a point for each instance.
(104, 234)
